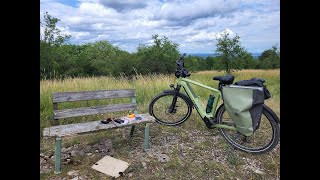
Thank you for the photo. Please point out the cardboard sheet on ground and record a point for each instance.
(110, 166)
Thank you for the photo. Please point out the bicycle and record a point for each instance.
(176, 107)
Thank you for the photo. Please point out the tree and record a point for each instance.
(210, 61)
(50, 38)
(158, 58)
(229, 49)
(195, 63)
(270, 59)
(51, 34)
(246, 60)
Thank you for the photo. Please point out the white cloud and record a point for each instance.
(96, 10)
(195, 25)
(209, 36)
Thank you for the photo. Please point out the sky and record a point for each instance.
(194, 25)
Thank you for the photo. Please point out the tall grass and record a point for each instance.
(147, 87)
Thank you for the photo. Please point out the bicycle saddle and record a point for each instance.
(224, 79)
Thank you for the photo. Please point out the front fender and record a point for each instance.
(169, 91)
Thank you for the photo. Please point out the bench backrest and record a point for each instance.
(60, 97)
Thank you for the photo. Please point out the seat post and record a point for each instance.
(220, 86)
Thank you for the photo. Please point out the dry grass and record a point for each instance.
(195, 152)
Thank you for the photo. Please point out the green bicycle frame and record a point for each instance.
(185, 83)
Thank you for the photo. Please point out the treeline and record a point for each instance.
(60, 59)
(269, 59)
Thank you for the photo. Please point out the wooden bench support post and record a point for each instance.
(146, 137)
(131, 132)
(134, 101)
(55, 122)
(131, 137)
(57, 168)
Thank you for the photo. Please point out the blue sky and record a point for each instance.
(194, 25)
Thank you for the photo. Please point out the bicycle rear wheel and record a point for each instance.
(264, 139)
(164, 113)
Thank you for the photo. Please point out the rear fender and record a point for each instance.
(276, 118)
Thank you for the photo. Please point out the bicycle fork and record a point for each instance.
(172, 108)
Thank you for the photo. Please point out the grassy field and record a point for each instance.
(195, 152)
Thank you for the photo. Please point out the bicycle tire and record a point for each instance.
(269, 116)
(166, 121)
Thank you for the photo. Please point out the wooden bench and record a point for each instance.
(60, 131)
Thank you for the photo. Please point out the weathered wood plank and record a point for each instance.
(58, 97)
(58, 114)
(79, 128)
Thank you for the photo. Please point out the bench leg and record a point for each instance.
(146, 137)
(130, 137)
(131, 132)
(57, 168)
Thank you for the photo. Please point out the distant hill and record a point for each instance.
(204, 55)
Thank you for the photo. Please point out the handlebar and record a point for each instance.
(181, 70)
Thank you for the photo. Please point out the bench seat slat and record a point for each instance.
(64, 113)
(58, 97)
(79, 128)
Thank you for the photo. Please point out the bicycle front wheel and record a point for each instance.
(264, 139)
(164, 113)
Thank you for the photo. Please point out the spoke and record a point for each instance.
(170, 115)
(259, 139)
